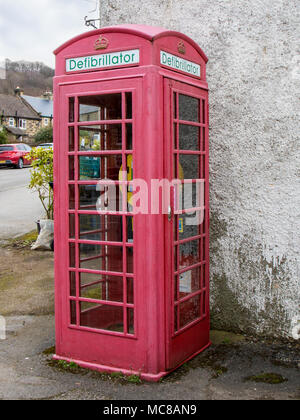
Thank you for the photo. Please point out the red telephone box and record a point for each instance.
(132, 277)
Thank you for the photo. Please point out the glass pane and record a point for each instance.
(189, 137)
(72, 226)
(189, 254)
(72, 253)
(130, 291)
(190, 166)
(71, 139)
(129, 229)
(129, 260)
(72, 284)
(128, 96)
(203, 112)
(190, 195)
(73, 312)
(101, 287)
(100, 167)
(103, 317)
(101, 257)
(130, 321)
(71, 197)
(190, 225)
(188, 108)
(100, 137)
(100, 227)
(88, 197)
(91, 198)
(128, 136)
(71, 110)
(176, 326)
(175, 105)
(71, 168)
(202, 142)
(100, 107)
(189, 282)
(189, 311)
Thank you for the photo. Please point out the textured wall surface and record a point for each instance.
(254, 79)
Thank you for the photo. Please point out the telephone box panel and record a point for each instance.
(131, 200)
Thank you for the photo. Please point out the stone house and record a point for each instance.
(43, 106)
(21, 121)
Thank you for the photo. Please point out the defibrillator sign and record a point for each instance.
(178, 63)
(96, 62)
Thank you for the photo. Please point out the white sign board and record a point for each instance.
(178, 63)
(96, 62)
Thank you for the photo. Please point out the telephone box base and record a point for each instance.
(149, 377)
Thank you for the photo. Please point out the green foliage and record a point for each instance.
(3, 136)
(41, 174)
(44, 135)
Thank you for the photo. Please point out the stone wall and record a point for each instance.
(253, 75)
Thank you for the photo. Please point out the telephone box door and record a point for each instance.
(96, 290)
(186, 162)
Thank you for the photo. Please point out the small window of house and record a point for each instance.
(11, 122)
(22, 124)
(46, 121)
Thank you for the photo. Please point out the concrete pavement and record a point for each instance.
(217, 374)
(19, 207)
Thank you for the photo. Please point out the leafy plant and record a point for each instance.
(41, 175)
(3, 135)
(44, 135)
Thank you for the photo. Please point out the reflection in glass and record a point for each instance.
(100, 107)
(100, 167)
(100, 137)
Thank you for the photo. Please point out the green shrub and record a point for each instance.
(44, 135)
(3, 135)
(41, 175)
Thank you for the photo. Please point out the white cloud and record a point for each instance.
(33, 29)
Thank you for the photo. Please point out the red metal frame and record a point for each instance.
(154, 347)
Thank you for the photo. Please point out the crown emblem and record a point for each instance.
(101, 43)
(181, 47)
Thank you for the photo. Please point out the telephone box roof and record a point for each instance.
(150, 33)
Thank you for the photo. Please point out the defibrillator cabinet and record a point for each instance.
(131, 200)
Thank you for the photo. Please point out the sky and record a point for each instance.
(32, 29)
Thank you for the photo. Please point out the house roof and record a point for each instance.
(16, 131)
(15, 106)
(43, 106)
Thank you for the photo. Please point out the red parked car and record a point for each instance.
(14, 155)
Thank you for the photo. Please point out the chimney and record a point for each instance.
(19, 91)
(48, 95)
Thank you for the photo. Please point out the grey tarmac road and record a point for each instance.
(19, 207)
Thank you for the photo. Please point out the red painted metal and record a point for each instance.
(129, 295)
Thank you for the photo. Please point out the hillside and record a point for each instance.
(33, 77)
